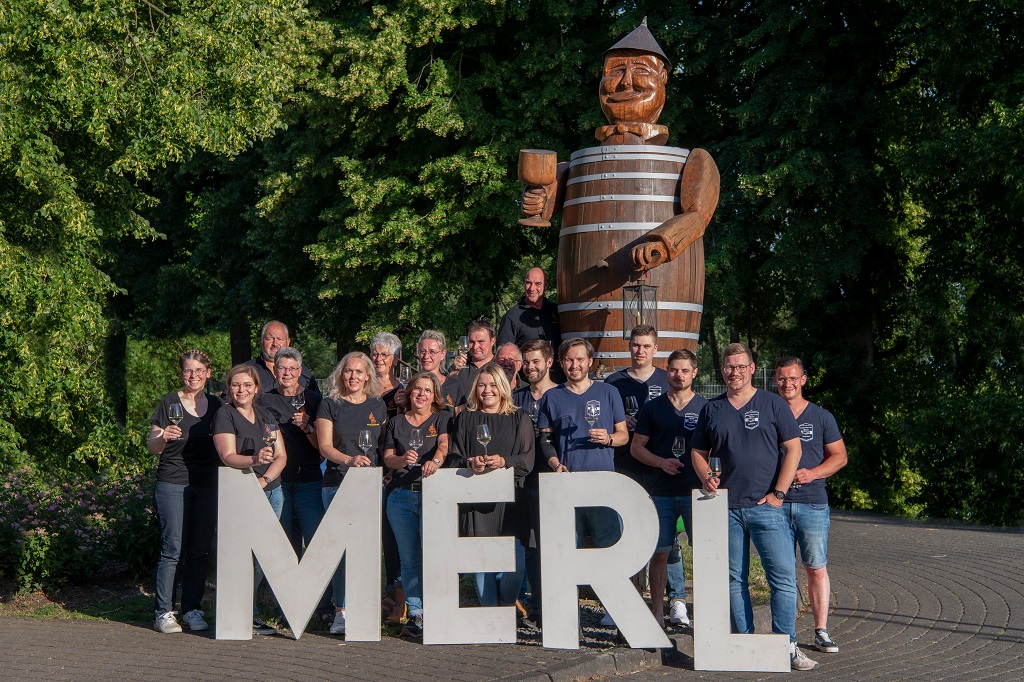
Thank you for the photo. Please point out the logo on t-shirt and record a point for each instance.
(690, 421)
(448, 400)
(432, 431)
(653, 391)
(806, 432)
(752, 419)
(373, 420)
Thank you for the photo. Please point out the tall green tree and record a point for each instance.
(93, 97)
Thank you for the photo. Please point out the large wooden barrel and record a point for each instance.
(614, 195)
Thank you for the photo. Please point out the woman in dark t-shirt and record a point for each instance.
(511, 446)
(238, 433)
(415, 446)
(352, 411)
(186, 492)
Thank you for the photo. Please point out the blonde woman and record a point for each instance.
(511, 445)
(349, 425)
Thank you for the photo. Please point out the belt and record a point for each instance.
(416, 487)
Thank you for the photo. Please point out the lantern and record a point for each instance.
(639, 306)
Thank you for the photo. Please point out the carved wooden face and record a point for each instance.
(633, 88)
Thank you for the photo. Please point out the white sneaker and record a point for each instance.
(166, 623)
(607, 621)
(338, 626)
(677, 613)
(194, 620)
(798, 659)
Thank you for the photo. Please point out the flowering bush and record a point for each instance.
(75, 531)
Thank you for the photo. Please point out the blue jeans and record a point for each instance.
(489, 586)
(338, 579)
(676, 585)
(768, 528)
(405, 513)
(601, 522)
(810, 524)
(304, 502)
(188, 519)
(276, 499)
(669, 510)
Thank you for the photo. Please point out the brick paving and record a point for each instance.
(911, 601)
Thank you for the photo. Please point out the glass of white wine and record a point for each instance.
(593, 411)
(365, 441)
(631, 405)
(416, 440)
(175, 413)
(299, 400)
(533, 409)
(405, 374)
(483, 436)
(679, 447)
(714, 470)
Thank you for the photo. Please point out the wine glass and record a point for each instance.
(593, 412)
(537, 168)
(270, 435)
(679, 447)
(714, 469)
(483, 436)
(532, 409)
(405, 374)
(365, 441)
(175, 414)
(631, 405)
(416, 440)
(299, 400)
(464, 345)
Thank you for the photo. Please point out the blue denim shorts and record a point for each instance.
(669, 511)
(810, 524)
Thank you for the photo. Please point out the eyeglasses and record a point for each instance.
(288, 370)
(193, 372)
(424, 351)
(247, 385)
(376, 355)
(739, 369)
(787, 380)
(424, 391)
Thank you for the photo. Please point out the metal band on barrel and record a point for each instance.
(607, 227)
(618, 335)
(626, 157)
(625, 354)
(617, 305)
(649, 150)
(625, 176)
(622, 197)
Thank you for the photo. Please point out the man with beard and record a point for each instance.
(670, 479)
(480, 333)
(511, 360)
(754, 434)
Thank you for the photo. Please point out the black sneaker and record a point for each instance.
(261, 628)
(822, 642)
(413, 627)
(532, 621)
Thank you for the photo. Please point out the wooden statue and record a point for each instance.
(632, 209)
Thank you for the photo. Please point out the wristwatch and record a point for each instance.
(779, 494)
(268, 479)
(436, 461)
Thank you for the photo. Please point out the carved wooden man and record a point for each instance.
(632, 208)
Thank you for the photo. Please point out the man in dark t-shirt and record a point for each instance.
(823, 453)
(747, 429)
(669, 471)
(534, 317)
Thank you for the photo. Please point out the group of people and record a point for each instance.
(500, 405)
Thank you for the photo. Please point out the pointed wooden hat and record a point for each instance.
(641, 39)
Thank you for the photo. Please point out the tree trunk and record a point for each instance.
(241, 340)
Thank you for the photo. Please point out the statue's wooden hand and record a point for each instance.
(648, 255)
(534, 199)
